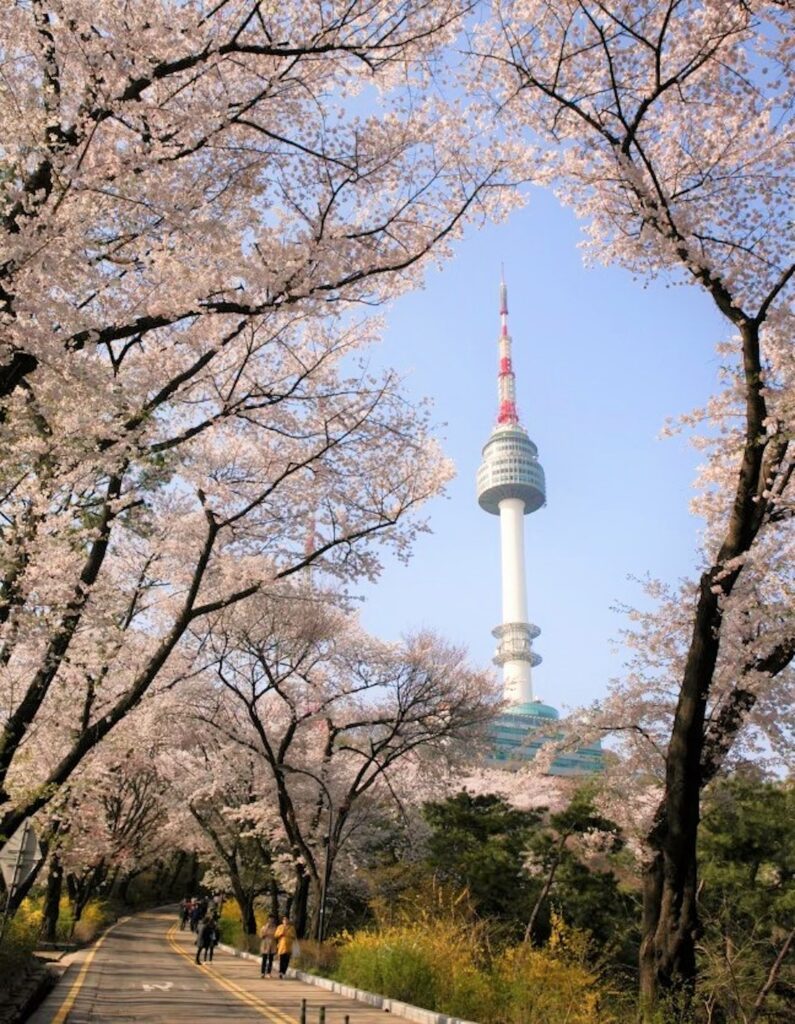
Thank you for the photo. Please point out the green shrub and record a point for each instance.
(448, 966)
(19, 941)
(430, 965)
(389, 963)
(230, 924)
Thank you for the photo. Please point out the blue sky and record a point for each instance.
(601, 361)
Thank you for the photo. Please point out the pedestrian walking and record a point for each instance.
(184, 913)
(286, 943)
(196, 914)
(267, 946)
(214, 936)
(204, 938)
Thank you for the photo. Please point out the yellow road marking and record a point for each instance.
(77, 984)
(270, 1013)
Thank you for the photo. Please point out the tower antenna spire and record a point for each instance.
(506, 380)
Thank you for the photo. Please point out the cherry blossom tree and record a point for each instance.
(112, 821)
(336, 717)
(666, 125)
(228, 815)
(198, 200)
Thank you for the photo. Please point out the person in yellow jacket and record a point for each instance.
(286, 943)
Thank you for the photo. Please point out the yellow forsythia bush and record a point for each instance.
(429, 966)
(537, 987)
(444, 966)
(95, 917)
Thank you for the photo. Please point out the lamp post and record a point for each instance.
(321, 918)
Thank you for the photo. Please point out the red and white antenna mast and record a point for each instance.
(506, 381)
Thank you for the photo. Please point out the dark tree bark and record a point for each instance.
(274, 898)
(178, 863)
(545, 888)
(299, 905)
(52, 899)
(82, 887)
(193, 873)
(697, 748)
(245, 902)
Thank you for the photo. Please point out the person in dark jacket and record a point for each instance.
(215, 935)
(196, 914)
(205, 939)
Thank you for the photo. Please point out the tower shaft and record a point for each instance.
(515, 649)
(514, 588)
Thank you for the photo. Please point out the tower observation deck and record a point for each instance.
(511, 484)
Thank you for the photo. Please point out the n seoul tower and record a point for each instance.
(510, 485)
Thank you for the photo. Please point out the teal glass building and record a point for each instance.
(522, 729)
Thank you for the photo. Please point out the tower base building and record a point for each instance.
(523, 729)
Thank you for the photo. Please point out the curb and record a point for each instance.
(395, 1006)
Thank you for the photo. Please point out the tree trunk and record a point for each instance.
(314, 897)
(113, 880)
(245, 902)
(123, 887)
(247, 913)
(193, 873)
(81, 889)
(22, 891)
(52, 899)
(274, 898)
(178, 864)
(670, 927)
(670, 915)
(528, 933)
(299, 903)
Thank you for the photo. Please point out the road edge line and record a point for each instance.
(74, 990)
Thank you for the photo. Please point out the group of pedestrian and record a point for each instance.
(201, 916)
(194, 909)
(277, 940)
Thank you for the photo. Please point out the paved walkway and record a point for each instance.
(143, 969)
(281, 999)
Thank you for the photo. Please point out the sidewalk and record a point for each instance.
(278, 1001)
